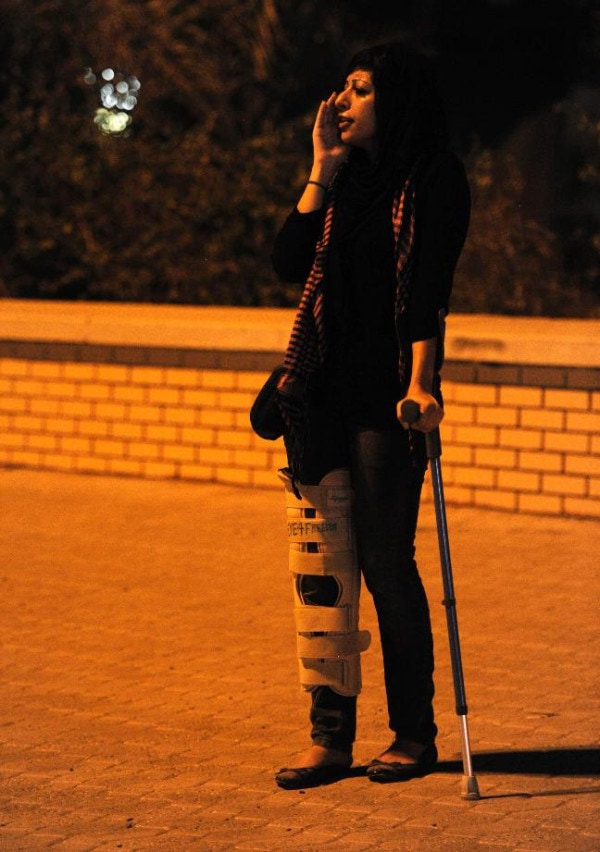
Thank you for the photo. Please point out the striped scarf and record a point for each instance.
(307, 346)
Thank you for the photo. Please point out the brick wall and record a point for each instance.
(517, 436)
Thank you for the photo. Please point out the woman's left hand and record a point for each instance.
(431, 415)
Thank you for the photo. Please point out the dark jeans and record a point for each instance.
(387, 475)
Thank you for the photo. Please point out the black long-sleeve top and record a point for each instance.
(360, 375)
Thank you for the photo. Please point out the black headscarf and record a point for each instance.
(411, 125)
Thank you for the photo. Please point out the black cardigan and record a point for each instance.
(360, 374)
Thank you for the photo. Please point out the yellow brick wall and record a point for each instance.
(510, 447)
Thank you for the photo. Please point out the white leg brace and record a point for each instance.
(322, 545)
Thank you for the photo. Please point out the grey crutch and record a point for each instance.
(410, 414)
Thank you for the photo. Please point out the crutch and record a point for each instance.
(410, 414)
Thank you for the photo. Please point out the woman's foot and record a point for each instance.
(319, 765)
(403, 760)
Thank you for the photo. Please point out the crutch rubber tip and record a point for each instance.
(469, 788)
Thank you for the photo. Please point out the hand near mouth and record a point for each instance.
(329, 151)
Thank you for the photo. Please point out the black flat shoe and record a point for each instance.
(311, 776)
(384, 773)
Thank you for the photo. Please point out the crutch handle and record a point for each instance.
(410, 413)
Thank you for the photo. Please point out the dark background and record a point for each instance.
(184, 208)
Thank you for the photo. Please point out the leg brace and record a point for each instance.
(326, 583)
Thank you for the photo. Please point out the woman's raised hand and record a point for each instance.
(329, 151)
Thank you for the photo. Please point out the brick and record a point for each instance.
(13, 403)
(75, 408)
(44, 406)
(250, 458)
(27, 423)
(107, 447)
(459, 495)
(27, 457)
(143, 450)
(540, 504)
(475, 394)
(81, 372)
(236, 400)
(113, 373)
(475, 435)
(43, 442)
(164, 396)
(542, 461)
(463, 414)
(495, 499)
(478, 476)
(94, 391)
(589, 508)
(147, 375)
(75, 444)
(58, 461)
(496, 415)
(521, 438)
(542, 418)
(198, 436)
(144, 414)
(110, 410)
(567, 399)
(179, 452)
(215, 456)
(202, 472)
(161, 432)
(583, 422)
(594, 488)
(12, 439)
(91, 464)
(233, 438)
(251, 381)
(233, 476)
(14, 367)
(495, 457)
(563, 484)
(181, 377)
(126, 429)
(28, 387)
(545, 377)
(124, 466)
(93, 428)
(586, 465)
(179, 415)
(46, 369)
(215, 417)
(583, 377)
(159, 470)
(519, 480)
(498, 374)
(521, 397)
(570, 442)
(199, 398)
(457, 454)
(217, 379)
(130, 393)
(64, 390)
(595, 401)
(60, 425)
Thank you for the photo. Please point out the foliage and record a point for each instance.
(185, 209)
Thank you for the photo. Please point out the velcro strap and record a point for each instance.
(319, 530)
(329, 619)
(334, 561)
(333, 646)
(343, 676)
(320, 497)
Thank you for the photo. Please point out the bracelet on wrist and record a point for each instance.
(318, 183)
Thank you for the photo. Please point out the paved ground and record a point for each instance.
(149, 680)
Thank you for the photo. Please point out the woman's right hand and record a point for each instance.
(329, 151)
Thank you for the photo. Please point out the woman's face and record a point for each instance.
(356, 111)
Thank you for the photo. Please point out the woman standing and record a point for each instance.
(376, 236)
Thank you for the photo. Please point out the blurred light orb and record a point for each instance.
(111, 122)
(118, 94)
